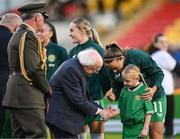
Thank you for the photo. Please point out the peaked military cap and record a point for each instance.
(33, 8)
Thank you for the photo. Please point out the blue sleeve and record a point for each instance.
(70, 82)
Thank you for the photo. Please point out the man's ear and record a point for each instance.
(15, 28)
(36, 18)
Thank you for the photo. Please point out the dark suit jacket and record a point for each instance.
(20, 93)
(70, 101)
(5, 35)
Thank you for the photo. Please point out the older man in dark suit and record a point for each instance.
(71, 102)
(8, 25)
(27, 86)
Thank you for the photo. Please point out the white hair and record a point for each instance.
(89, 57)
(11, 19)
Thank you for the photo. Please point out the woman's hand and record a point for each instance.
(110, 95)
(150, 93)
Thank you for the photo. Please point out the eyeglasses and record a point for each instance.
(94, 69)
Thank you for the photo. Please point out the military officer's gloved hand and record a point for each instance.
(49, 94)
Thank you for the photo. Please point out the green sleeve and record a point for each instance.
(153, 70)
(150, 70)
(117, 84)
(64, 54)
(101, 51)
(105, 79)
(70, 53)
(104, 73)
(117, 88)
(148, 107)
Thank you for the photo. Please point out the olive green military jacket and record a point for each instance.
(22, 92)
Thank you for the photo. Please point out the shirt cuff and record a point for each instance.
(97, 112)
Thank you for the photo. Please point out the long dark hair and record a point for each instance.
(113, 51)
(151, 47)
(52, 28)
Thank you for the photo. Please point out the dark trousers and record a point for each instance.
(28, 123)
(3, 81)
(60, 134)
(169, 127)
(7, 129)
(2, 117)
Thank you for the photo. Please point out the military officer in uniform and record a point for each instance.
(27, 85)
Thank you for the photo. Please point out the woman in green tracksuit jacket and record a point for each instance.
(116, 59)
(55, 54)
(85, 36)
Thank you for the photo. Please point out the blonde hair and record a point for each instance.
(133, 71)
(84, 24)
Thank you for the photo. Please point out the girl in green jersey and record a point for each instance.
(135, 112)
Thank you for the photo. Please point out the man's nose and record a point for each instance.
(70, 34)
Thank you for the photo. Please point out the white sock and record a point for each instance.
(97, 136)
(83, 135)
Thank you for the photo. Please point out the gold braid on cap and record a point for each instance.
(42, 56)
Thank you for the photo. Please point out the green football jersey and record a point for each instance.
(133, 109)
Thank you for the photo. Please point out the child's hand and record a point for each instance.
(113, 112)
(144, 133)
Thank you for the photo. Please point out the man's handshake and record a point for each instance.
(108, 113)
